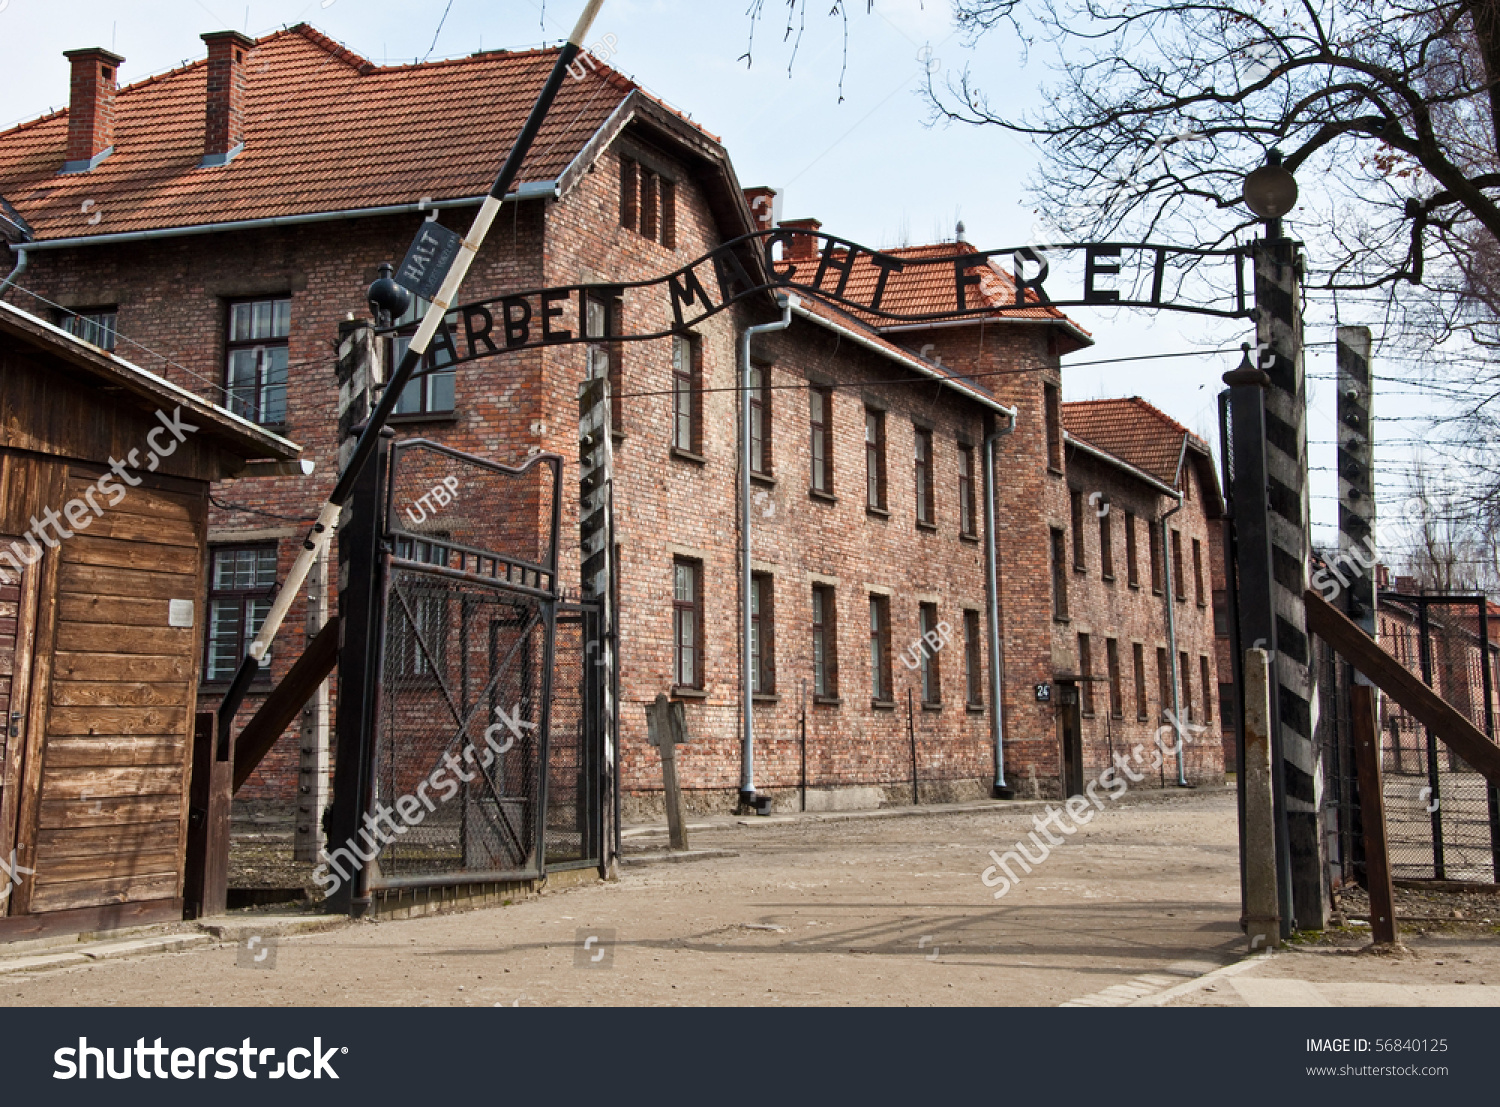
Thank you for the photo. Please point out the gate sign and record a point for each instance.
(428, 260)
(1103, 274)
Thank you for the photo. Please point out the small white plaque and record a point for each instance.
(179, 613)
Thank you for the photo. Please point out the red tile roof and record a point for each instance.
(326, 130)
(833, 317)
(1133, 431)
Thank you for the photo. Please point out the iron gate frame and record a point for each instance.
(369, 546)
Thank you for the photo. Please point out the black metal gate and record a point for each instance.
(480, 764)
(1442, 818)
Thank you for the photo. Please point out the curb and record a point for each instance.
(678, 857)
(1161, 999)
(104, 951)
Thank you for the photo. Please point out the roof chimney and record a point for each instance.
(224, 114)
(804, 246)
(91, 108)
(765, 206)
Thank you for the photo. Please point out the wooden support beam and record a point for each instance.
(1365, 737)
(280, 708)
(1403, 686)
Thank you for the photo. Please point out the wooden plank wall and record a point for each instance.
(106, 819)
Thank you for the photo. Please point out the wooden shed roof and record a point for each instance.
(232, 433)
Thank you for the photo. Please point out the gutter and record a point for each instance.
(910, 360)
(1000, 790)
(1065, 323)
(788, 304)
(531, 191)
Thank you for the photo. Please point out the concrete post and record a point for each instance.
(1262, 900)
(312, 739)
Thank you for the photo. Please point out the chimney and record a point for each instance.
(765, 206)
(804, 246)
(91, 108)
(224, 113)
(1408, 585)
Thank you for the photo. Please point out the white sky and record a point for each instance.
(868, 168)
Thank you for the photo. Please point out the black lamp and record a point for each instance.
(388, 300)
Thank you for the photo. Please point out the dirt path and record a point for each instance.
(816, 912)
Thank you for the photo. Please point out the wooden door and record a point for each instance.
(17, 601)
(1070, 736)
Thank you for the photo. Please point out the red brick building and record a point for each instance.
(222, 219)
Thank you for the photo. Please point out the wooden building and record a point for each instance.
(104, 483)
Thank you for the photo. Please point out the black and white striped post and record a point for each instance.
(1356, 458)
(466, 250)
(596, 577)
(1278, 330)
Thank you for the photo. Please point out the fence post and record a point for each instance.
(1262, 899)
(1366, 742)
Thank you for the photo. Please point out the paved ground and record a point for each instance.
(816, 911)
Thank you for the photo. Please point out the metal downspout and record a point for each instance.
(1000, 790)
(1167, 593)
(22, 260)
(747, 743)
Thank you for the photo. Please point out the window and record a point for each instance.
(874, 458)
(1106, 543)
(882, 687)
(1179, 584)
(1153, 535)
(1132, 574)
(932, 685)
(602, 359)
(255, 374)
(687, 624)
(820, 418)
(1226, 707)
(1086, 672)
(824, 643)
(1116, 695)
(923, 452)
(762, 636)
(685, 395)
(1206, 685)
(1187, 687)
(1221, 614)
(1138, 652)
(760, 421)
(630, 205)
(1075, 502)
(966, 514)
(648, 203)
(95, 326)
(430, 390)
(1163, 683)
(242, 584)
(1198, 572)
(419, 641)
(1053, 403)
(973, 673)
(1059, 575)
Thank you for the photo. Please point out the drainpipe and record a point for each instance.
(747, 745)
(22, 258)
(1166, 560)
(1001, 790)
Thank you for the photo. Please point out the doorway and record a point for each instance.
(1070, 736)
(17, 601)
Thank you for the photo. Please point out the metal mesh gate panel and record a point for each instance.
(465, 711)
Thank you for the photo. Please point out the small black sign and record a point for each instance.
(429, 259)
(1043, 693)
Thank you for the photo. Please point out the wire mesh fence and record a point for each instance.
(574, 791)
(1442, 817)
